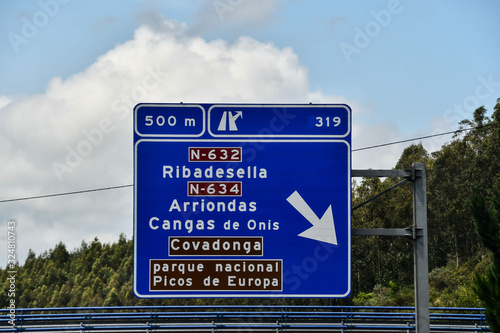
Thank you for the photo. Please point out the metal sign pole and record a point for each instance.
(417, 232)
(421, 257)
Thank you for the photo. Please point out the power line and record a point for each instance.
(354, 150)
(424, 137)
(66, 193)
(408, 140)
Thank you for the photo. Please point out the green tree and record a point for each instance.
(487, 287)
(380, 260)
(470, 160)
(97, 273)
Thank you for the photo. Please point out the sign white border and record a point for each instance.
(203, 113)
(249, 294)
(305, 106)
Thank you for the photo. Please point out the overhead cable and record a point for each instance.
(66, 193)
(354, 150)
(424, 137)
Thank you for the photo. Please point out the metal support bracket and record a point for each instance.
(416, 232)
(410, 232)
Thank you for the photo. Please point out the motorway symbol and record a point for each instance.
(232, 120)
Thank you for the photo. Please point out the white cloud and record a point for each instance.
(4, 101)
(368, 135)
(78, 134)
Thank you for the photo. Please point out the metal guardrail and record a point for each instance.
(238, 319)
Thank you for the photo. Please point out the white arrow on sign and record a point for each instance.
(323, 229)
(232, 120)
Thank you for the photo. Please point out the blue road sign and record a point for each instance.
(242, 200)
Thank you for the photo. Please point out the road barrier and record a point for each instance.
(238, 319)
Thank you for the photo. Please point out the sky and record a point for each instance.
(71, 72)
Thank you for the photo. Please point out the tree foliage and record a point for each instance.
(469, 160)
(487, 285)
(101, 274)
